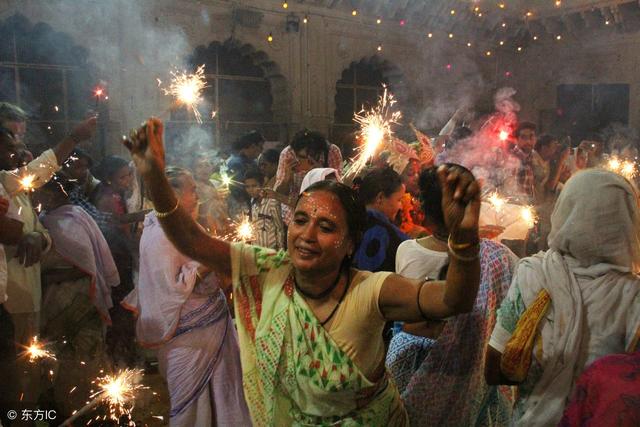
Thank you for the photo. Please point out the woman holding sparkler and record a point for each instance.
(433, 361)
(310, 326)
(578, 301)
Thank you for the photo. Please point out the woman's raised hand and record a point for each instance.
(146, 145)
(460, 202)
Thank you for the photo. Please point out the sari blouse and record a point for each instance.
(294, 371)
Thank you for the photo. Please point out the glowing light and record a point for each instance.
(476, 9)
(626, 168)
(529, 216)
(558, 37)
(187, 89)
(501, 5)
(26, 182)
(558, 3)
(55, 107)
(488, 53)
(480, 15)
(503, 135)
(285, 5)
(529, 14)
(119, 391)
(501, 42)
(375, 128)
(469, 44)
(270, 38)
(606, 22)
(98, 92)
(519, 49)
(354, 12)
(305, 19)
(379, 47)
(243, 230)
(226, 180)
(498, 202)
(402, 22)
(504, 25)
(36, 351)
(378, 21)
(453, 11)
(430, 35)
(450, 35)
(535, 37)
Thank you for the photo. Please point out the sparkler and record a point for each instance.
(36, 351)
(244, 230)
(187, 89)
(375, 129)
(626, 168)
(27, 182)
(498, 202)
(118, 392)
(529, 216)
(503, 135)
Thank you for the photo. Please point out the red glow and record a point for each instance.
(507, 74)
(402, 22)
(98, 92)
(449, 66)
(504, 135)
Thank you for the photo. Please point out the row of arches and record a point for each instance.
(53, 78)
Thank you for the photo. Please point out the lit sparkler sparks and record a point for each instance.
(36, 351)
(27, 182)
(626, 168)
(244, 230)
(187, 89)
(375, 129)
(503, 135)
(226, 180)
(497, 201)
(118, 392)
(529, 216)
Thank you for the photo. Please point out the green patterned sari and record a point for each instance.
(293, 372)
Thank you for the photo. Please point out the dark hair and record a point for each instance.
(431, 194)
(313, 141)
(253, 173)
(544, 141)
(58, 184)
(356, 213)
(11, 113)
(523, 126)
(81, 154)
(6, 134)
(109, 166)
(384, 180)
(247, 140)
(271, 155)
(175, 174)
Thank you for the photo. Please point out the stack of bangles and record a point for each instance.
(455, 247)
(166, 214)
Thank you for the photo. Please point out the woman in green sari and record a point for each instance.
(309, 325)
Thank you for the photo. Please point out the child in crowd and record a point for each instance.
(265, 213)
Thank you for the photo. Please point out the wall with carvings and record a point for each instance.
(136, 42)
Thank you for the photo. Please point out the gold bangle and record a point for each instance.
(459, 246)
(462, 257)
(166, 214)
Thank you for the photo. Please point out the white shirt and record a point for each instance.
(13, 214)
(414, 261)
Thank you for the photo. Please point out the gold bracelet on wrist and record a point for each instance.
(462, 246)
(166, 214)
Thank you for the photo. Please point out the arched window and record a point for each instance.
(359, 87)
(238, 92)
(46, 74)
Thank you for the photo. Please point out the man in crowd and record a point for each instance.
(522, 151)
(246, 150)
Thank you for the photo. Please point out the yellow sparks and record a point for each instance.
(226, 180)
(27, 181)
(187, 89)
(36, 351)
(626, 168)
(244, 230)
(375, 129)
(497, 201)
(529, 216)
(119, 391)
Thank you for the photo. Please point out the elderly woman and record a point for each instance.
(183, 314)
(432, 362)
(310, 326)
(574, 303)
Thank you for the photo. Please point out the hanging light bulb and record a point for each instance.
(305, 19)
(378, 21)
(354, 12)
(285, 5)
(379, 48)
(270, 38)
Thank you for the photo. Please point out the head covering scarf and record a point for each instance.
(317, 175)
(595, 301)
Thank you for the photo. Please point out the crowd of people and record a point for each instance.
(375, 299)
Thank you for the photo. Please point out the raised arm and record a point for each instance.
(147, 150)
(412, 301)
(80, 133)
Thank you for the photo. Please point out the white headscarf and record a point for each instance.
(595, 299)
(317, 175)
